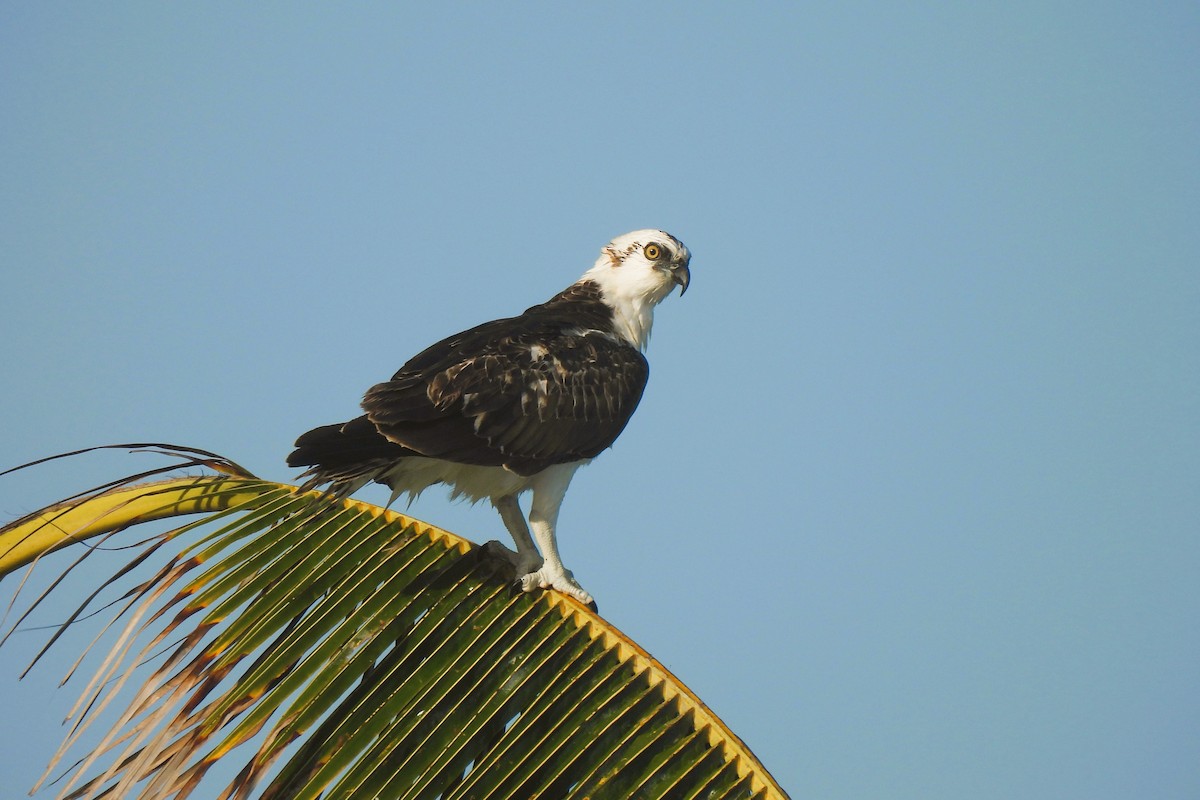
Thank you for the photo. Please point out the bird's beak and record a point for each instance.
(681, 275)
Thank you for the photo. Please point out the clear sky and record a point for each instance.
(913, 498)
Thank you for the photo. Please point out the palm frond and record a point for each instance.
(335, 649)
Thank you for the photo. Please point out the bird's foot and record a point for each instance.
(560, 579)
(522, 564)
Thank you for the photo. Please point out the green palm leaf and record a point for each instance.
(340, 650)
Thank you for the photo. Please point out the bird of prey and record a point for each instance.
(513, 405)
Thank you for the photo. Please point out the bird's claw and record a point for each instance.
(562, 581)
(533, 574)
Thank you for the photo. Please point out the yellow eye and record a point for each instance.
(652, 251)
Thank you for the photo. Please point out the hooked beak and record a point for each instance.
(681, 275)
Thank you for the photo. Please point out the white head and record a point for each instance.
(635, 272)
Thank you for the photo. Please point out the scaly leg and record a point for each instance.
(526, 559)
(549, 487)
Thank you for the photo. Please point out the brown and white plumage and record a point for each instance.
(513, 405)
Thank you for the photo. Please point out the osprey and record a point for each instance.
(513, 405)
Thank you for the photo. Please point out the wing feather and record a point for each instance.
(512, 393)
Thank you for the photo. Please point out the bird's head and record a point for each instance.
(642, 266)
(635, 272)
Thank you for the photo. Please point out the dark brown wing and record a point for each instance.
(524, 394)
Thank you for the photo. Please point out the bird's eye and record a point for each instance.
(652, 251)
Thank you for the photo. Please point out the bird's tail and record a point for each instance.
(345, 457)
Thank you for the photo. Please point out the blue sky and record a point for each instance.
(912, 499)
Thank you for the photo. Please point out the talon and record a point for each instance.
(564, 582)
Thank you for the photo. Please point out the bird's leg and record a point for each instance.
(548, 490)
(526, 559)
